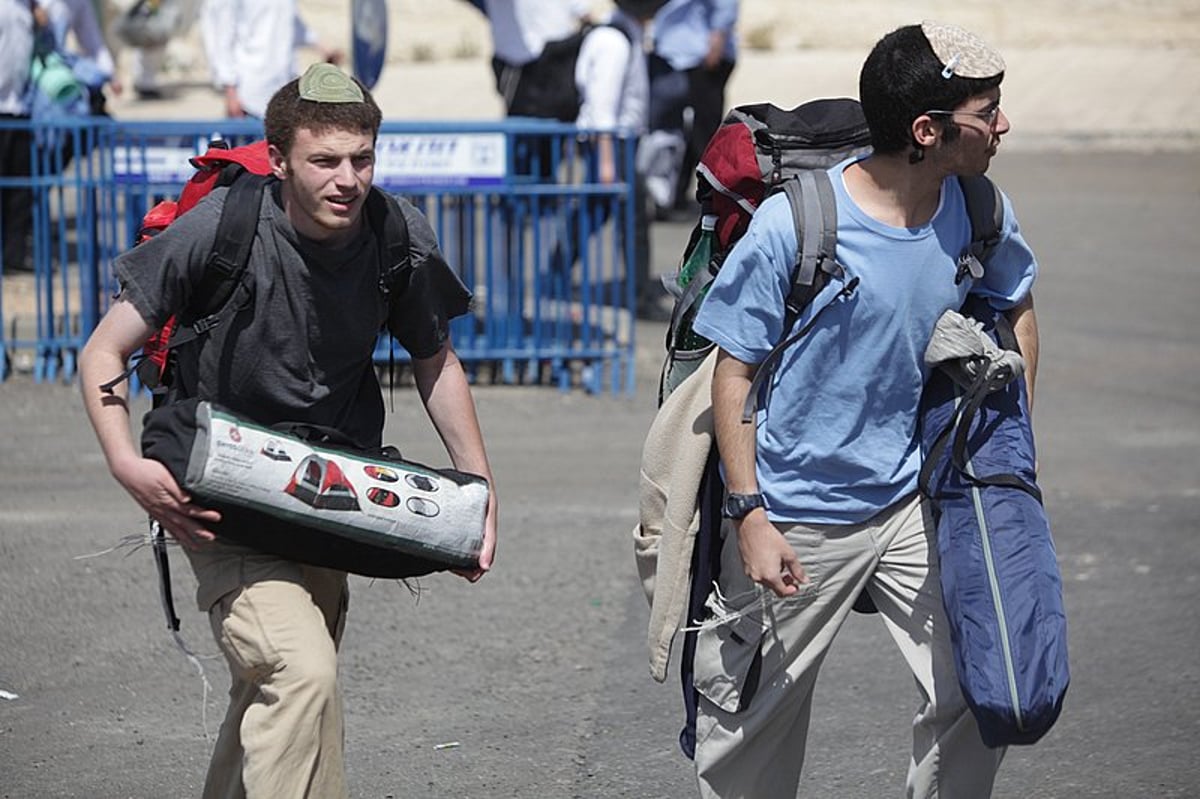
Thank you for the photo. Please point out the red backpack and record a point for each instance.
(219, 166)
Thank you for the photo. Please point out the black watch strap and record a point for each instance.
(737, 506)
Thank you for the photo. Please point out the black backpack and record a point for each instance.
(545, 87)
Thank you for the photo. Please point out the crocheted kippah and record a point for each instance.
(325, 83)
(961, 52)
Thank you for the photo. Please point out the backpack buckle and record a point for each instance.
(968, 264)
(205, 324)
(221, 264)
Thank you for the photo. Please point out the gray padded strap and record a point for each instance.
(814, 212)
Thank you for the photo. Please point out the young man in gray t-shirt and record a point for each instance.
(302, 350)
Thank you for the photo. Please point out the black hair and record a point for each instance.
(902, 79)
(287, 112)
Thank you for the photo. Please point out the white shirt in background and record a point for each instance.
(611, 76)
(256, 41)
(16, 50)
(521, 28)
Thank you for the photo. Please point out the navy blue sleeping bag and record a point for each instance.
(999, 572)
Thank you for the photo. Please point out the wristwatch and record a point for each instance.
(738, 505)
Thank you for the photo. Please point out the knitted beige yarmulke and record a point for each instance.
(961, 52)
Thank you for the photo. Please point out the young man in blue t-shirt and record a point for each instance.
(823, 502)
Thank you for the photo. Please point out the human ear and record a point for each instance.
(926, 131)
(278, 162)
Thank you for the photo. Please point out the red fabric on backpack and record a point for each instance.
(209, 168)
(730, 166)
(253, 157)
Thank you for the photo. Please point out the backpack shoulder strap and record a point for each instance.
(227, 263)
(985, 209)
(386, 218)
(222, 275)
(814, 214)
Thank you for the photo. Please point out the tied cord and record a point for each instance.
(717, 604)
(157, 540)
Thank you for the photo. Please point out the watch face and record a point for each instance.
(738, 505)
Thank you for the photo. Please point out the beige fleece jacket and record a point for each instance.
(673, 459)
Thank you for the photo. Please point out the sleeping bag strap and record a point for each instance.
(158, 543)
(958, 431)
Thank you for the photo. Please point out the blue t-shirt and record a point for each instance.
(837, 435)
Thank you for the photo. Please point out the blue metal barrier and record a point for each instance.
(546, 248)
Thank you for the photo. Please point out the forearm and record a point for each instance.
(446, 395)
(767, 558)
(107, 412)
(735, 440)
(104, 357)
(1024, 324)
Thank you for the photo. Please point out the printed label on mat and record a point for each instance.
(400, 505)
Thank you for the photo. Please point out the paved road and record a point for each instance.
(538, 674)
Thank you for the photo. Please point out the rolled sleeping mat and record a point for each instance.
(293, 494)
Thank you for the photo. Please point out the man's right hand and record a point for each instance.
(153, 487)
(767, 557)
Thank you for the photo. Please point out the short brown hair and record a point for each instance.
(288, 112)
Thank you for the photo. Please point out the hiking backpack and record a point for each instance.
(758, 151)
(761, 150)
(246, 171)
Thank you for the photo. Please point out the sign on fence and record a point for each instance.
(454, 159)
(402, 159)
(163, 159)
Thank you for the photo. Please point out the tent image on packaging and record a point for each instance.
(320, 483)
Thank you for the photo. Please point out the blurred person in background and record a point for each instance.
(16, 204)
(521, 29)
(693, 54)
(252, 46)
(76, 30)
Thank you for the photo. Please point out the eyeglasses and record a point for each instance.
(989, 117)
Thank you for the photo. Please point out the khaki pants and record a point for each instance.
(278, 624)
(756, 670)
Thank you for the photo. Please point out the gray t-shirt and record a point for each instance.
(300, 350)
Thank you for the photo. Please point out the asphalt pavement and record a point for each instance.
(534, 683)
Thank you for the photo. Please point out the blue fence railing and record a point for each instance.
(546, 248)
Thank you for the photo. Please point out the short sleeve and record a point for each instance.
(428, 294)
(158, 276)
(1011, 268)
